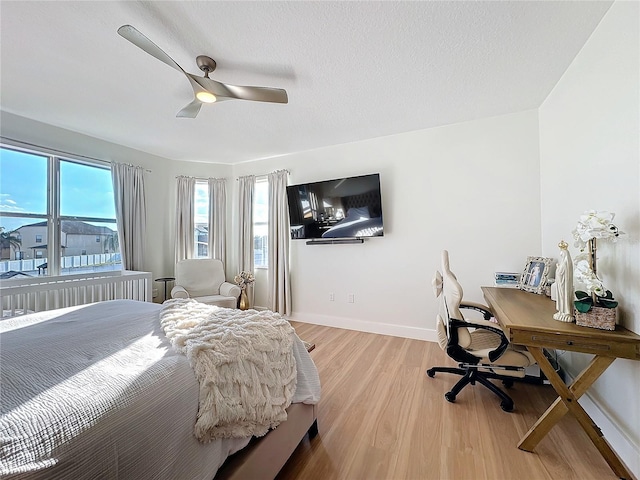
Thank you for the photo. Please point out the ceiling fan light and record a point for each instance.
(206, 97)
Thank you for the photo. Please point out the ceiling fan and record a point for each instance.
(205, 89)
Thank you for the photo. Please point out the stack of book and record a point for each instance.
(507, 279)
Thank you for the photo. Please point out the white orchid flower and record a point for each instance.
(595, 224)
(592, 225)
(581, 257)
(594, 285)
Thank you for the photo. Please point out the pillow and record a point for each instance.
(360, 212)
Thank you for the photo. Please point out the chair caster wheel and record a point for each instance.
(507, 383)
(450, 397)
(431, 373)
(507, 406)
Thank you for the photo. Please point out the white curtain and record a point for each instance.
(246, 187)
(131, 213)
(279, 280)
(185, 217)
(218, 218)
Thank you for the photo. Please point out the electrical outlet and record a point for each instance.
(155, 292)
(332, 297)
(351, 298)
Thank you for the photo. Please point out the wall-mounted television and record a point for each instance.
(348, 207)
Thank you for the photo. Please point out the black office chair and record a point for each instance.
(480, 346)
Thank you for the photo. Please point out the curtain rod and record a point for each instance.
(18, 143)
(265, 174)
(131, 165)
(200, 178)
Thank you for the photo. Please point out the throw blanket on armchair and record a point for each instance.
(243, 361)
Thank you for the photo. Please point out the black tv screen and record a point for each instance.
(343, 208)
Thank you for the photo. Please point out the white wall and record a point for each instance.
(160, 183)
(589, 159)
(472, 188)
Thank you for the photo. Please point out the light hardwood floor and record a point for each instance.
(381, 417)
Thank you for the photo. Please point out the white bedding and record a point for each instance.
(243, 360)
(79, 402)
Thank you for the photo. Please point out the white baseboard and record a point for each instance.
(416, 333)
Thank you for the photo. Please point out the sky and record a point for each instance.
(201, 207)
(85, 191)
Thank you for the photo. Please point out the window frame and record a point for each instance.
(53, 216)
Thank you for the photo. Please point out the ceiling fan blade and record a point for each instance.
(258, 94)
(139, 40)
(212, 86)
(191, 110)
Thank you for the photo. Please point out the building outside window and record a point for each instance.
(261, 223)
(55, 213)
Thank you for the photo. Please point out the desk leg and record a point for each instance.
(558, 409)
(568, 402)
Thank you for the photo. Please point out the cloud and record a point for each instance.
(10, 206)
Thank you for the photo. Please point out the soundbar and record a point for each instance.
(334, 241)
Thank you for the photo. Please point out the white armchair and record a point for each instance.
(204, 281)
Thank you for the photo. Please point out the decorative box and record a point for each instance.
(598, 317)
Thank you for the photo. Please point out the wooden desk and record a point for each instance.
(527, 319)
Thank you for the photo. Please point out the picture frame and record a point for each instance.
(535, 275)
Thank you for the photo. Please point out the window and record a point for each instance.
(261, 224)
(54, 209)
(201, 220)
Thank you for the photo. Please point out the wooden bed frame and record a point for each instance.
(264, 457)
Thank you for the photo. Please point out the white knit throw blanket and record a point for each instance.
(243, 360)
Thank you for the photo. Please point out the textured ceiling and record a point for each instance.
(353, 70)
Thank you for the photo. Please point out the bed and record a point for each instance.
(97, 391)
(357, 223)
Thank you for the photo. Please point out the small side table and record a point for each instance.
(165, 280)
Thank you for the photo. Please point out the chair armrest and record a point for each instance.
(485, 325)
(179, 292)
(479, 308)
(230, 290)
